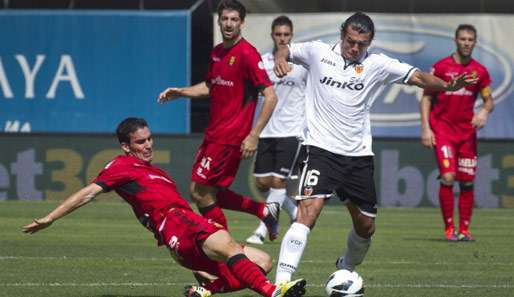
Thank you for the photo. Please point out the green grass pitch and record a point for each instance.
(102, 251)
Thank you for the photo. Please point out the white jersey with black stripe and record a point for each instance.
(287, 119)
(339, 95)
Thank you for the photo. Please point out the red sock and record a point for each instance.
(214, 213)
(249, 274)
(231, 200)
(465, 209)
(226, 282)
(446, 201)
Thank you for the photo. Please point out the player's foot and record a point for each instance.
(450, 235)
(465, 235)
(294, 288)
(196, 291)
(255, 239)
(271, 219)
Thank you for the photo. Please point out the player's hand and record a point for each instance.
(37, 224)
(461, 81)
(282, 67)
(479, 119)
(427, 137)
(249, 146)
(169, 94)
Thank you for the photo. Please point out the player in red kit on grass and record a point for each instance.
(193, 241)
(449, 125)
(236, 76)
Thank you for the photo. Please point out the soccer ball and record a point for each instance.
(344, 283)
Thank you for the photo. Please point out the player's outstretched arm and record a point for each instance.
(71, 203)
(281, 67)
(200, 90)
(426, 80)
(427, 135)
(249, 144)
(480, 118)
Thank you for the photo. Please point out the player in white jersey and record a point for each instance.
(279, 141)
(344, 80)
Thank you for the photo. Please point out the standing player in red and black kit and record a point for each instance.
(236, 76)
(193, 241)
(449, 125)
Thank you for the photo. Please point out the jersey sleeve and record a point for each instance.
(485, 81)
(301, 53)
(396, 71)
(255, 71)
(113, 175)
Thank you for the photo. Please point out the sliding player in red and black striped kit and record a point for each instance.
(194, 242)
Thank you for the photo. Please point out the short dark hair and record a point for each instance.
(282, 21)
(128, 126)
(359, 22)
(465, 27)
(232, 5)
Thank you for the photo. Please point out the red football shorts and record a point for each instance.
(457, 157)
(216, 164)
(182, 232)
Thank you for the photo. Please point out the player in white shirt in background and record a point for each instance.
(279, 142)
(344, 80)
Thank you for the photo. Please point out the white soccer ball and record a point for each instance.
(344, 283)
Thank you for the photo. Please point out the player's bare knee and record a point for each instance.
(262, 183)
(262, 187)
(259, 257)
(448, 179)
(308, 214)
(196, 197)
(278, 183)
(365, 227)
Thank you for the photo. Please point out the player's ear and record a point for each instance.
(125, 147)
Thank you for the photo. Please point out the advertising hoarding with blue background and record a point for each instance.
(69, 71)
(419, 40)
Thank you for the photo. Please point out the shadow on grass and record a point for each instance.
(437, 240)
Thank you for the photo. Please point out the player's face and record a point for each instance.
(354, 44)
(140, 145)
(465, 42)
(281, 35)
(230, 24)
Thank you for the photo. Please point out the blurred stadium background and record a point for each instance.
(70, 70)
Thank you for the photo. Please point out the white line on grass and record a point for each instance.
(5, 258)
(415, 286)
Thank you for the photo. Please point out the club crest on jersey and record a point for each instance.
(474, 74)
(359, 68)
(446, 163)
(232, 60)
(307, 191)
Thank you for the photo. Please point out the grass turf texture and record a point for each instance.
(102, 251)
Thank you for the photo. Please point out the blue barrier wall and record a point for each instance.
(69, 71)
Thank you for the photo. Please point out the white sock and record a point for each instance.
(291, 251)
(290, 207)
(261, 230)
(356, 249)
(276, 195)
